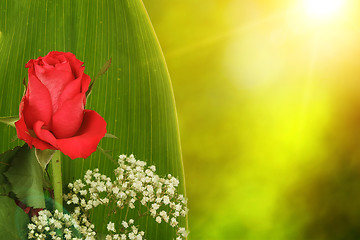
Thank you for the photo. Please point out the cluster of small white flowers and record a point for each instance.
(60, 226)
(129, 231)
(134, 183)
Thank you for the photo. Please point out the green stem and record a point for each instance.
(57, 180)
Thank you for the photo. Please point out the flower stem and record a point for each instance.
(57, 180)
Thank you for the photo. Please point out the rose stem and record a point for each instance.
(57, 180)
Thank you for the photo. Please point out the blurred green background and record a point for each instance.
(268, 100)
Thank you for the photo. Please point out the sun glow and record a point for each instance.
(323, 9)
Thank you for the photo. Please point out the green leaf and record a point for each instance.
(13, 220)
(26, 177)
(5, 160)
(135, 95)
(9, 120)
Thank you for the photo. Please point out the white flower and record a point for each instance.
(137, 185)
(149, 172)
(164, 215)
(134, 182)
(125, 224)
(111, 227)
(174, 181)
(31, 226)
(173, 222)
(183, 232)
(166, 200)
(83, 192)
(155, 206)
(115, 190)
(122, 195)
(171, 190)
(75, 199)
(131, 236)
(153, 212)
(152, 168)
(123, 236)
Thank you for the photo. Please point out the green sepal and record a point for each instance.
(24, 83)
(9, 120)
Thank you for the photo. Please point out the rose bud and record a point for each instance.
(52, 112)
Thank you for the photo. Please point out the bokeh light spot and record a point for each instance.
(323, 9)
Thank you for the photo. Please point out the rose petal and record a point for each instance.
(30, 63)
(50, 60)
(54, 57)
(67, 120)
(75, 64)
(23, 134)
(37, 103)
(79, 85)
(85, 142)
(44, 134)
(85, 83)
(55, 78)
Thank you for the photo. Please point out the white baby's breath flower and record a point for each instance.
(166, 200)
(134, 182)
(115, 190)
(111, 227)
(75, 199)
(173, 222)
(182, 231)
(152, 168)
(155, 206)
(47, 224)
(83, 192)
(125, 224)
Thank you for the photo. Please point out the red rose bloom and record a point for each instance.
(52, 114)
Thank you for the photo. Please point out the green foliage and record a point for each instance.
(13, 220)
(26, 177)
(5, 160)
(134, 96)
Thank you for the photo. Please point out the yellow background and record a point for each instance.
(268, 100)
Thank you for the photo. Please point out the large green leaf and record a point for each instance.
(25, 176)
(13, 220)
(134, 96)
(5, 161)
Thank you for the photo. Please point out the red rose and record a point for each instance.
(52, 114)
